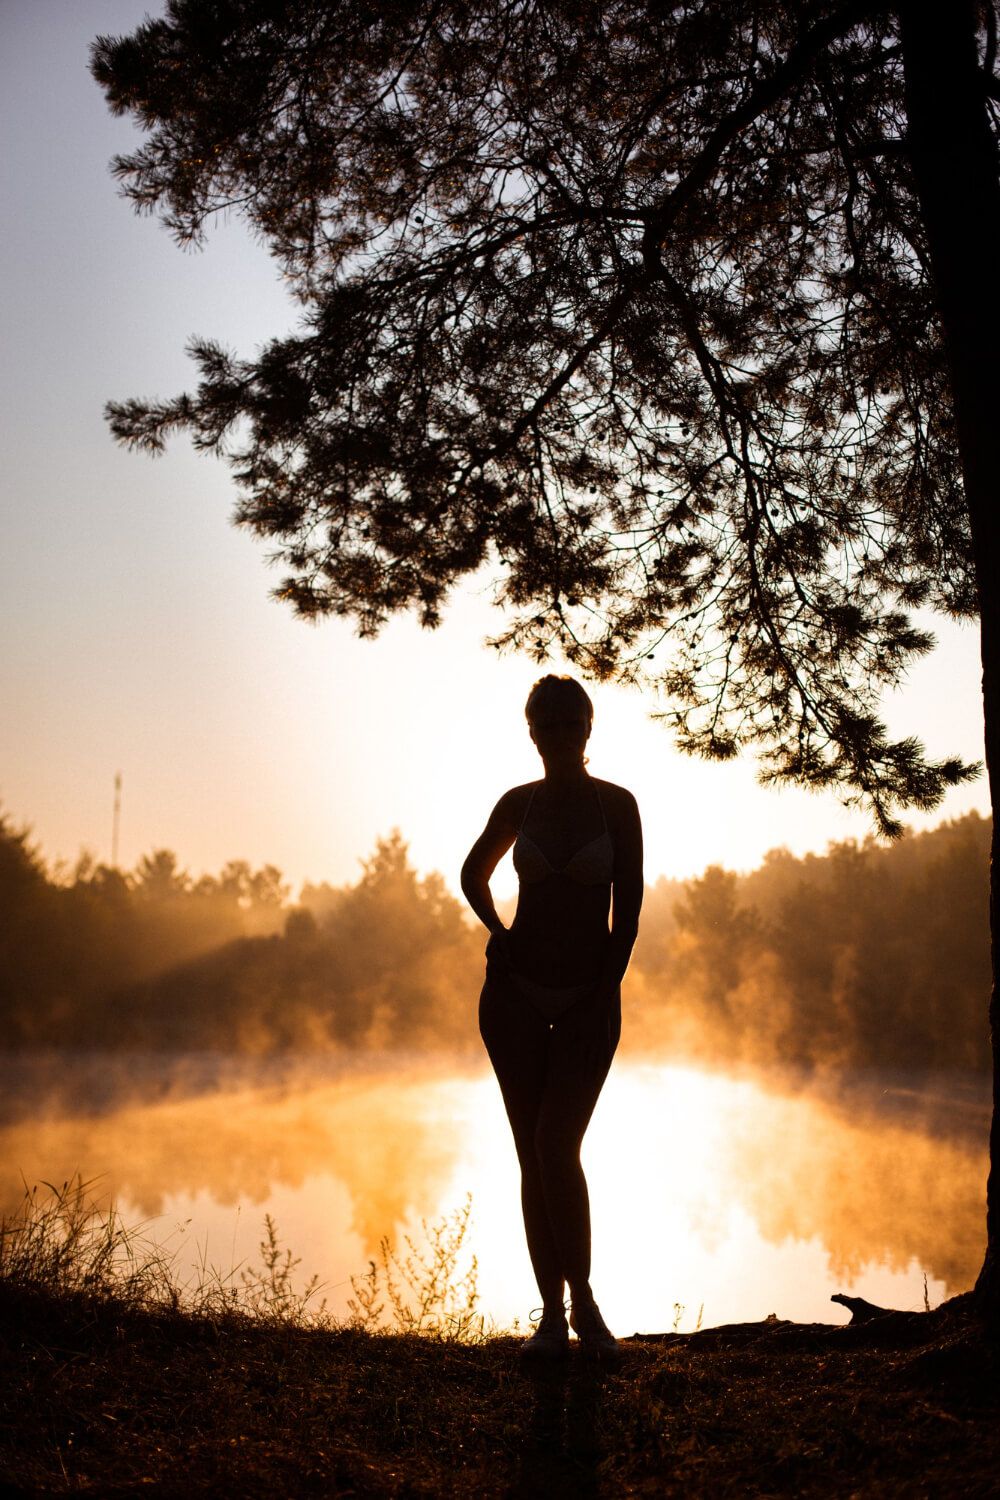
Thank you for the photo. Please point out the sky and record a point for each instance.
(138, 631)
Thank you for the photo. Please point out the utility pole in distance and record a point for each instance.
(116, 820)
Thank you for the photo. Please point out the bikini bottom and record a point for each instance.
(565, 1026)
(550, 1001)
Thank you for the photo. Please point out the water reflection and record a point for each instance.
(233, 1133)
(707, 1190)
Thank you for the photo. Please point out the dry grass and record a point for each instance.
(65, 1242)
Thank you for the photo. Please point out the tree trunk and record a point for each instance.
(954, 160)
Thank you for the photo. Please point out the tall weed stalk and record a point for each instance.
(423, 1289)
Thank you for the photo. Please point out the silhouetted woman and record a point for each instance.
(550, 1010)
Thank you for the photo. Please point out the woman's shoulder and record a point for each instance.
(616, 793)
(514, 803)
(617, 799)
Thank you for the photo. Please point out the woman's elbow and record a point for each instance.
(470, 878)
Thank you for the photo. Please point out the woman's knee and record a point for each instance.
(556, 1148)
(527, 1154)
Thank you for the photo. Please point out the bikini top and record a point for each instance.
(593, 864)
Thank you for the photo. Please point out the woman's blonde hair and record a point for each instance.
(552, 693)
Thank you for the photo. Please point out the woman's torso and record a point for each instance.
(564, 857)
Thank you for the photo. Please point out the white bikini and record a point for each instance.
(593, 864)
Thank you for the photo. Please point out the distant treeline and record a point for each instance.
(868, 956)
(153, 958)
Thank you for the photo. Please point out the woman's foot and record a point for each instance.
(596, 1339)
(550, 1340)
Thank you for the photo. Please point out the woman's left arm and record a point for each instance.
(626, 888)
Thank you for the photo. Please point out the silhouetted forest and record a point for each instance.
(868, 956)
(871, 955)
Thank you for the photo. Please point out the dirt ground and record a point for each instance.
(101, 1400)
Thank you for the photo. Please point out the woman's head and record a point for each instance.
(560, 716)
(558, 699)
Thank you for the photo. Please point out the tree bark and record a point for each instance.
(954, 159)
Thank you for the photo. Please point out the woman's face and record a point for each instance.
(560, 735)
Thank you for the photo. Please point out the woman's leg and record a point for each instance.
(581, 1046)
(518, 1042)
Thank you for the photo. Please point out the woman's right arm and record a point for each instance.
(483, 858)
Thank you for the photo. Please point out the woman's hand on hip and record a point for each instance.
(498, 949)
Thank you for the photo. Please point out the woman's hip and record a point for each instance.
(511, 1002)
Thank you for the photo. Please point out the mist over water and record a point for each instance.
(736, 1195)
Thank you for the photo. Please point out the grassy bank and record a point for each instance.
(110, 1386)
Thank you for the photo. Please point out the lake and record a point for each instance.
(714, 1197)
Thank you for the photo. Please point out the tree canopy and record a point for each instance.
(631, 303)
